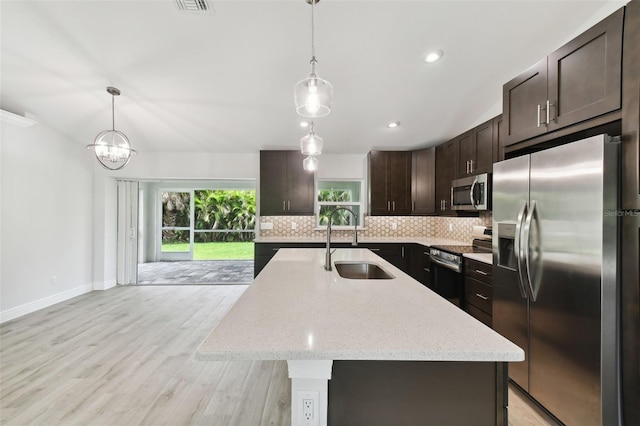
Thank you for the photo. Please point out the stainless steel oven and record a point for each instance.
(471, 193)
(447, 268)
(447, 278)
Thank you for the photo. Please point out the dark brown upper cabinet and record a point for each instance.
(389, 183)
(423, 181)
(285, 187)
(446, 170)
(498, 139)
(475, 150)
(577, 82)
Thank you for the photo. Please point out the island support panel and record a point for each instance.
(418, 393)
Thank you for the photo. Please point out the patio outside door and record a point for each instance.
(175, 210)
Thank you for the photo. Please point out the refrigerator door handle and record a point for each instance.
(517, 250)
(533, 289)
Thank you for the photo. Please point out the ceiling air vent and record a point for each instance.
(194, 6)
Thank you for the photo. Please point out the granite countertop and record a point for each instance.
(481, 257)
(296, 310)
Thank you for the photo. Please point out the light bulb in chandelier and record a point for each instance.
(311, 144)
(310, 164)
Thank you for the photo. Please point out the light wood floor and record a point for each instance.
(127, 357)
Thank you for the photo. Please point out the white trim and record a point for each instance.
(104, 285)
(18, 120)
(45, 302)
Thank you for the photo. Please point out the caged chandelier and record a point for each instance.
(112, 147)
(313, 95)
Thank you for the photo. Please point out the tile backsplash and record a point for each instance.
(455, 228)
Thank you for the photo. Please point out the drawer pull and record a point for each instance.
(374, 249)
(276, 249)
(427, 270)
(482, 297)
(481, 272)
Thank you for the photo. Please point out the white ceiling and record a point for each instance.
(223, 82)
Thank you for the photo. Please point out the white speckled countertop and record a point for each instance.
(295, 310)
(480, 257)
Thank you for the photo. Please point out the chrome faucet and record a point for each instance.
(327, 258)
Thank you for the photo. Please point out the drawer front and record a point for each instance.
(479, 270)
(478, 294)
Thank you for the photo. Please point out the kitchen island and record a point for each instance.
(322, 323)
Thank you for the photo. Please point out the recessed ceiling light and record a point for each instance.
(434, 56)
(304, 124)
(393, 124)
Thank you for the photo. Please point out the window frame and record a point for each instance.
(318, 204)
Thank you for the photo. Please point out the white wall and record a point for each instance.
(46, 219)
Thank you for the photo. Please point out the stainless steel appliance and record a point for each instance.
(471, 193)
(555, 276)
(447, 278)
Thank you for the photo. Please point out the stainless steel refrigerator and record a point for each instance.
(555, 244)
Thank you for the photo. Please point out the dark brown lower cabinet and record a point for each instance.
(478, 290)
(372, 393)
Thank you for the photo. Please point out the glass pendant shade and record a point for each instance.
(313, 96)
(112, 147)
(310, 163)
(311, 144)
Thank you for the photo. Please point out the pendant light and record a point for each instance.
(310, 163)
(313, 95)
(112, 147)
(311, 144)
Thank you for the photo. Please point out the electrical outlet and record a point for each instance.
(294, 225)
(309, 405)
(394, 226)
(451, 227)
(307, 410)
(53, 280)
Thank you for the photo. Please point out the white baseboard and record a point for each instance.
(36, 305)
(104, 285)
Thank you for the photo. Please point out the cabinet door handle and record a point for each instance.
(275, 249)
(402, 251)
(482, 297)
(427, 269)
(471, 166)
(388, 206)
(481, 272)
(284, 205)
(394, 205)
(374, 249)
(289, 205)
(538, 118)
(413, 206)
(549, 105)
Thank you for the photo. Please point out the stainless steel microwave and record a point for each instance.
(471, 193)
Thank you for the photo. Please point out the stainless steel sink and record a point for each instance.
(361, 271)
